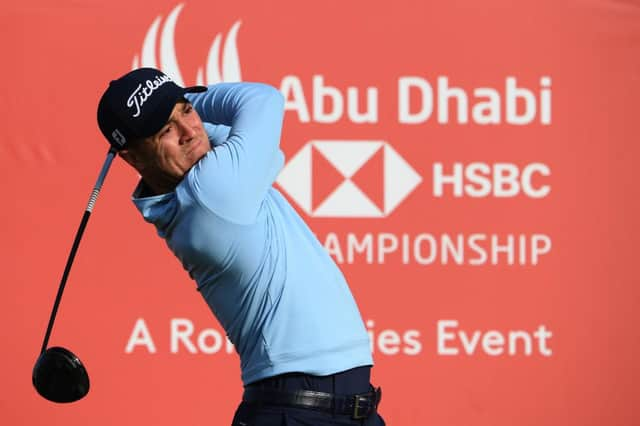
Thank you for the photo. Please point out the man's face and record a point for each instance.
(164, 158)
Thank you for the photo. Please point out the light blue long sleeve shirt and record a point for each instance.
(281, 299)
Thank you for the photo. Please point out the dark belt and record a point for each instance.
(358, 406)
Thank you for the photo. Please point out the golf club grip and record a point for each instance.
(76, 243)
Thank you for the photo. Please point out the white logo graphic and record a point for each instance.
(393, 179)
(214, 73)
(140, 95)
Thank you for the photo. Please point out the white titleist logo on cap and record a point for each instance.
(142, 93)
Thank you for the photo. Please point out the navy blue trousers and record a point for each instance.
(350, 382)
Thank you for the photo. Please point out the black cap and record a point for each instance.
(138, 104)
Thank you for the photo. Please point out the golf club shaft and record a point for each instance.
(76, 242)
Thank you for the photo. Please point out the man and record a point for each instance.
(207, 188)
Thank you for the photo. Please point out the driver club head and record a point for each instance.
(60, 376)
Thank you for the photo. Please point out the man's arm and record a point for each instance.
(217, 133)
(233, 179)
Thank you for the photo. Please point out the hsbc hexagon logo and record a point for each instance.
(336, 178)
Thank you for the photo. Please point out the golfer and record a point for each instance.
(208, 157)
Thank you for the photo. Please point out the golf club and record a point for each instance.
(58, 374)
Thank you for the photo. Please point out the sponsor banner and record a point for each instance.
(468, 165)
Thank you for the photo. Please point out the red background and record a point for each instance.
(59, 56)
